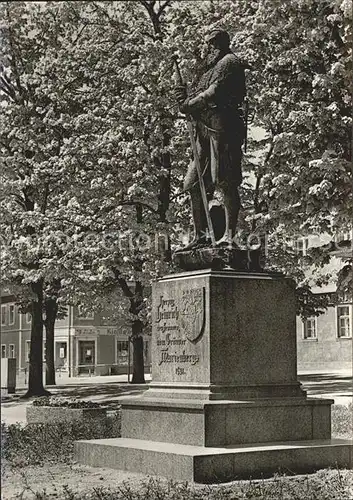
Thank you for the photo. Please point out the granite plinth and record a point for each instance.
(223, 423)
(214, 465)
(224, 335)
(218, 258)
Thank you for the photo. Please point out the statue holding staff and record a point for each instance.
(216, 107)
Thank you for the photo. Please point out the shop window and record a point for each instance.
(12, 352)
(310, 330)
(123, 352)
(84, 314)
(3, 314)
(3, 350)
(344, 321)
(11, 314)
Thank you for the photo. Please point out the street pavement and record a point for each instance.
(108, 389)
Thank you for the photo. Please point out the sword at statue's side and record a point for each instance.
(197, 161)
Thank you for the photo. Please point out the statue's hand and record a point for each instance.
(193, 104)
(180, 94)
(184, 106)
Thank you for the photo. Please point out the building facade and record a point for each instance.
(83, 343)
(324, 342)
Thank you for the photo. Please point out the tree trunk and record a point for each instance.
(138, 376)
(35, 378)
(51, 309)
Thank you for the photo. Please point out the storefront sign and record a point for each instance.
(85, 331)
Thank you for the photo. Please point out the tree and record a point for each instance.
(51, 309)
(31, 139)
(299, 93)
(299, 89)
(127, 194)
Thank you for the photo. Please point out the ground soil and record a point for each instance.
(31, 482)
(24, 482)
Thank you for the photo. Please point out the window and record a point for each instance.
(62, 350)
(344, 323)
(301, 246)
(123, 352)
(342, 236)
(28, 318)
(3, 350)
(28, 350)
(11, 314)
(310, 331)
(83, 314)
(3, 314)
(345, 296)
(12, 351)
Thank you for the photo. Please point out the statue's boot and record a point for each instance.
(231, 210)
(226, 241)
(197, 242)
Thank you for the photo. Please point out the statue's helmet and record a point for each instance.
(219, 36)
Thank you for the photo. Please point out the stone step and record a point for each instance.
(212, 465)
(224, 423)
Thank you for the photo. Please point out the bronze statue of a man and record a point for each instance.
(216, 107)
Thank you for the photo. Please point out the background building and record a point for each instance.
(325, 342)
(84, 343)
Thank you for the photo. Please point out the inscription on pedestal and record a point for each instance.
(179, 325)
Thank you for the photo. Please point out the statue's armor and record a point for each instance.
(215, 106)
(224, 87)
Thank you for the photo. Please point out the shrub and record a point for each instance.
(3, 446)
(36, 444)
(60, 402)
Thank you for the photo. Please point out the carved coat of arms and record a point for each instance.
(192, 314)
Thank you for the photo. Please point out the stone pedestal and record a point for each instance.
(224, 401)
(224, 335)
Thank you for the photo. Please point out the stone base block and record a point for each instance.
(222, 423)
(213, 465)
